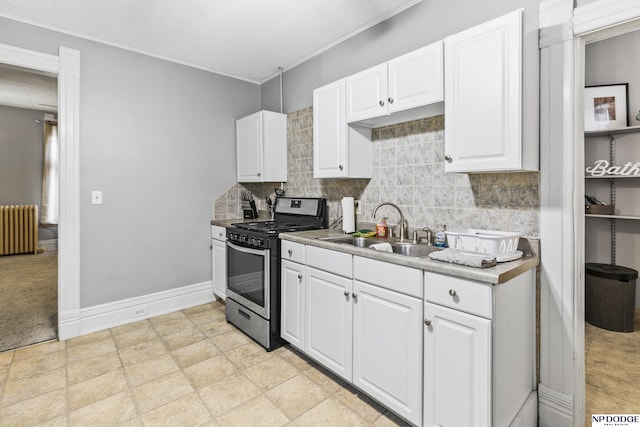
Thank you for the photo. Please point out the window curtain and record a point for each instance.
(49, 209)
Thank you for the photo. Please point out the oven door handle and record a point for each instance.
(261, 252)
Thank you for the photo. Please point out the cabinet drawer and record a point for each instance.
(460, 294)
(218, 233)
(292, 251)
(394, 277)
(335, 262)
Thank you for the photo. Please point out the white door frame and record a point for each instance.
(67, 68)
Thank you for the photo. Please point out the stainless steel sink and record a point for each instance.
(403, 248)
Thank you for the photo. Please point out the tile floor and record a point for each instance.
(188, 368)
(612, 371)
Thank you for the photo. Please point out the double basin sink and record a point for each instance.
(407, 248)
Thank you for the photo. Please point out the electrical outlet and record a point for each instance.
(96, 197)
(139, 312)
(357, 204)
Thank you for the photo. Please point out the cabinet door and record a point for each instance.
(457, 368)
(328, 330)
(416, 79)
(219, 268)
(387, 348)
(367, 94)
(249, 148)
(483, 97)
(292, 303)
(329, 131)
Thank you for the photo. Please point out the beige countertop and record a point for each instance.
(501, 273)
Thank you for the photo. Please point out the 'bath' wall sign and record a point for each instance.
(602, 168)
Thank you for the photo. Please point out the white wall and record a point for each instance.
(615, 60)
(159, 140)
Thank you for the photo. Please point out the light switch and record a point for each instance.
(96, 197)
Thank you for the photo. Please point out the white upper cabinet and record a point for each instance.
(261, 147)
(484, 93)
(409, 81)
(339, 150)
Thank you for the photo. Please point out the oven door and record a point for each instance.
(248, 273)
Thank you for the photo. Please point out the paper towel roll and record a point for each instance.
(348, 215)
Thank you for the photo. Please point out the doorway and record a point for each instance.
(66, 66)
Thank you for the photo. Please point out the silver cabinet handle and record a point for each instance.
(390, 100)
(346, 293)
(259, 174)
(381, 103)
(299, 276)
(448, 158)
(211, 246)
(220, 235)
(340, 167)
(290, 252)
(355, 296)
(427, 322)
(452, 292)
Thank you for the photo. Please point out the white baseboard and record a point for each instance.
(50, 245)
(555, 409)
(117, 313)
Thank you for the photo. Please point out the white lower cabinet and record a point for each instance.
(219, 261)
(457, 368)
(328, 332)
(292, 294)
(387, 348)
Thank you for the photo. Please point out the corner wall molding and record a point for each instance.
(558, 402)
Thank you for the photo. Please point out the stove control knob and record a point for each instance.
(260, 242)
(253, 241)
(236, 237)
(230, 236)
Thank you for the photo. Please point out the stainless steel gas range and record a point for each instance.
(253, 266)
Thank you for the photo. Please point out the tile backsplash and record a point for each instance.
(408, 170)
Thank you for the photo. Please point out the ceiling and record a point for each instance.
(244, 39)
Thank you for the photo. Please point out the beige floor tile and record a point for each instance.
(183, 338)
(114, 410)
(142, 324)
(141, 352)
(330, 413)
(209, 371)
(256, 412)
(161, 391)
(96, 389)
(94, 367)
(34, 411)
(136, 336)
(167, 317)
(92, 349)
(231, 339)
(389, 419)
(60, 421)
(88, 339)
(194, 353)
(228, 393)
(38, 350)
(296, 396)
(28, 388)
(173, 326)
(205, 316)
(270, 373)
(185, 411)
(248, 354)
(6, 357)
(198, 309)
(4, 375)
(362, 405)
(329, 382)
(151, 369)
(217, 327)
(294, 358)
(38, 365)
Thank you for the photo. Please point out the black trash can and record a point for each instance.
(610, 296)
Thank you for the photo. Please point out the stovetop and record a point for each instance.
(273, 227)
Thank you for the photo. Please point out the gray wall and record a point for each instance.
(158, 139)
(424, 23)
(21, 152)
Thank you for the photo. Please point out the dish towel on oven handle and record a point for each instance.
(464, 258)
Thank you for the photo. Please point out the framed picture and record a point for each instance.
(605, 107)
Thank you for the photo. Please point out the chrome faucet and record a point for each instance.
(403, 230)
(417, 239)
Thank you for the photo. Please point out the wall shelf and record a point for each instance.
(631, 217)
(612, 132)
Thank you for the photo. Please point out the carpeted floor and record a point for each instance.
(28, 299)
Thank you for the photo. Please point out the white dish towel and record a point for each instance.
(463, 258)
(384, 247)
